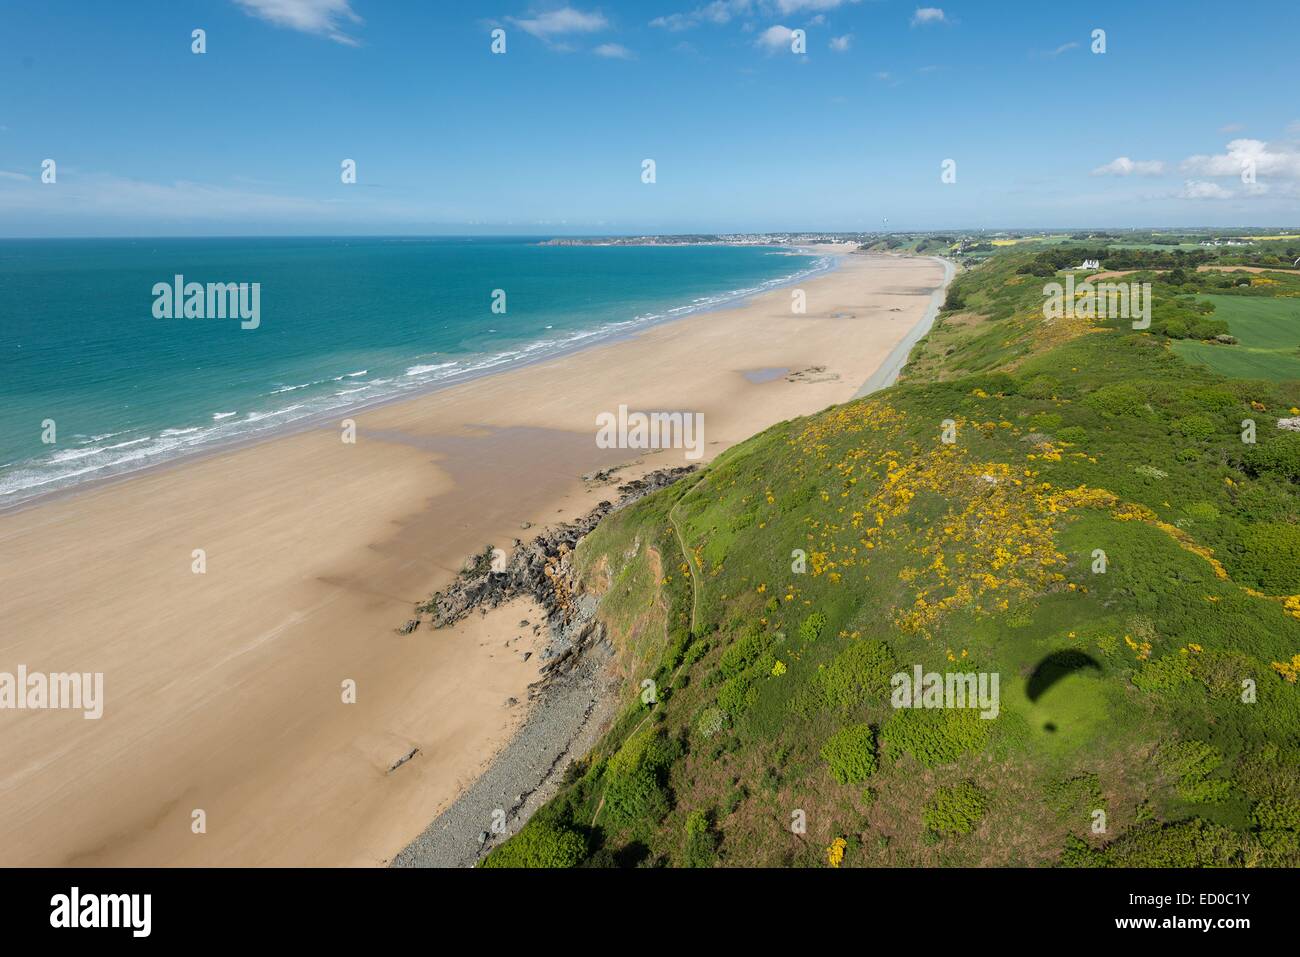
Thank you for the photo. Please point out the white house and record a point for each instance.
(1090, 264)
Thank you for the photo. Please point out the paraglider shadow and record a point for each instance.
(1057, 665)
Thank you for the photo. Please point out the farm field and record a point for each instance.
(1269, 334)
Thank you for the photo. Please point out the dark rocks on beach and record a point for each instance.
(540, 569)
(602, 476)
(812, 374)
(403, 759)
(409, 627)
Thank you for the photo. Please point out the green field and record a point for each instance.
(1268, 331)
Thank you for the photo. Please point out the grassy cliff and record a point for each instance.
(1097, 534)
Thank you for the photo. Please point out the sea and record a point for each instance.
(95, 381)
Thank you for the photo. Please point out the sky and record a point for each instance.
(880, 114)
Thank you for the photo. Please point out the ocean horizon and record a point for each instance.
(96, 384)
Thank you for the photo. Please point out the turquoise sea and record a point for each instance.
(344, 323)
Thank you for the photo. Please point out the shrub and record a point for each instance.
(1198, 426)
(858, 672)
(635, 798)
(955, 810)
(738, 693)
(1202, 511)
(1277, 814)
(1280, 455)
(648, 748)
(1212, 400)
(743, 653)
(812, 627)
(1192, 763)
(1193, 843)
(695, 652)
(540, 844)
(1269, 556)
(701, 846)
(1074, 434)
(1115, 401)
(1164, 675)
(934, 736)
(851, 753)
(1039, 387)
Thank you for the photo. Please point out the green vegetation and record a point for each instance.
(1267, 332)
(851, 753)
(540, 844)
(955, 809)
(1099, 536)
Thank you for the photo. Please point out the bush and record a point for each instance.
(933, 736)
(540, 844)
(1192, 763)
(743, 653)
(859, 672)
(701, 847)
(636, 798)
(1198, 426)
(955, 810)
(1039, 387)
(1268, 554)
(1074, 434)
(737, 694)
(1193, 843)
(1163, 675)
(851, 753)
(648, 748)
(1115, 401)
(1280, 455)
(812, 627)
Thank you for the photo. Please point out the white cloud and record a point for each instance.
(1266, 159)
(613, 51)
(842, 44)
(555, 23)
(1193, 189)
(1123, 166)
(718, 13)
(5, 174)
(721, 12)
(1232, 128)
(1063, 48)
(775, 38)
(798, 6)
(926, 15)
(321, 17)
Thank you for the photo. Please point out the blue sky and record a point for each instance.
(549, 138)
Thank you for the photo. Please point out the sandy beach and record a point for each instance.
(224, 690)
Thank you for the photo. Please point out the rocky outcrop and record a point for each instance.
(542, 570)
